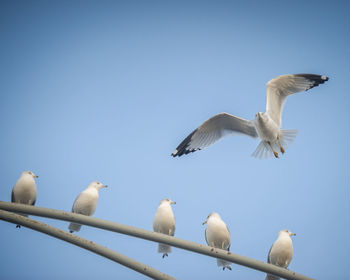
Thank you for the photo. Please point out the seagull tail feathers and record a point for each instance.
(264, 150)
(287, 137)
(162, 248)
(74, 227)
(223, 263)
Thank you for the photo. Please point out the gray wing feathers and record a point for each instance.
(13, 197)
(73, 226)
(280, 87)
(172, 230)
(230, 241)
(268, 256)
(212, 130)
(75, 202)
(205, 232)
(269, 276)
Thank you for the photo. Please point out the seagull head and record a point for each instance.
(211, 215)
(97, 185)
(167, 201)
(30, 173)
(259, 116)
(286, 232)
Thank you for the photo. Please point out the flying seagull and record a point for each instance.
(217, 235)
(281, 252)
(164, 222)
(266, 125)
(24, 191)
(86, 203)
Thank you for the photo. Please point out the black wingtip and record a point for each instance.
(184, 152)
(174, 154)
(316, 79)
(18, 226)
(182, 149)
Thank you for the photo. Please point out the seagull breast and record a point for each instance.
(24, 190)
(164, 221)
(266, 128)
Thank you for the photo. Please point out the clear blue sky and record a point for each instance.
(106, 90)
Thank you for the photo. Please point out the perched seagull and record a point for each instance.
(24, 191)
(217, 235)
(266, 125)
(164, 222)
(281, 252)
(86, 203)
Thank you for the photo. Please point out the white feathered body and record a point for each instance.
(217, 235)
(272, 137)
(281, 253)
(24, 191)
(164, 222)
(266, 128)
(85, 204)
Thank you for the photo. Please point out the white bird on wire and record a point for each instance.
(281, 252)
(24, 191)
(217, 235)
(266, 125)
(86, 203)
(164, 222)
